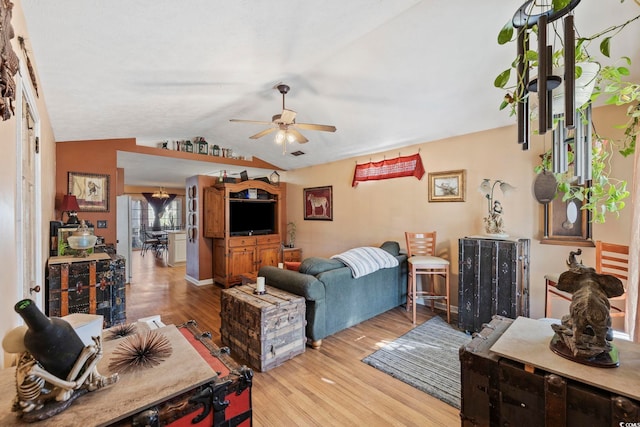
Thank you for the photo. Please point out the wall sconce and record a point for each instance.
(70, 206)
(493, 224)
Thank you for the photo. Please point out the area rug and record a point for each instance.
(426, 358)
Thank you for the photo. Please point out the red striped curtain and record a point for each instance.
(386, 169)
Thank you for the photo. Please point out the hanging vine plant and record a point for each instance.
(605, 194)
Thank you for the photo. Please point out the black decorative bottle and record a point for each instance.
(51, 341)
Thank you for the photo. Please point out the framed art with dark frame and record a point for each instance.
(318, 203)
(566, 223)
(91, 191)
(448, 186)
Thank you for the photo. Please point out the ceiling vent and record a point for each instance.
(297, 153)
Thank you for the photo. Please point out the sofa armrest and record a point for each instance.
(304, 285)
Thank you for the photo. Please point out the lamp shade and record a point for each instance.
(506, 188)
(69, 203)
(485, 187)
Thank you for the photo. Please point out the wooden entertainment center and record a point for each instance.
(245, 222)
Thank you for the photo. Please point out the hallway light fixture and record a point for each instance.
(160, 194)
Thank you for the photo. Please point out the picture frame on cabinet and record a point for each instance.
(447, 186)
(91, 191)
(318, 203)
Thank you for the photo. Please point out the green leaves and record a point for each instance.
(506, 33)
(605, 195)
(605, 47)
(502, 79)
(560, 4)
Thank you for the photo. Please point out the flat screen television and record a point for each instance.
(248, 218)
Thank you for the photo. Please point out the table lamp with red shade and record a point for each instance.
(70, 206)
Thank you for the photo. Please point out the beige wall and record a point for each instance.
(377, 211)
(10, 287)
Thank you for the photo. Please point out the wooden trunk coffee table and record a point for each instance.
(265, 330)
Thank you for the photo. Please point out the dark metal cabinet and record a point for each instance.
(493, 280)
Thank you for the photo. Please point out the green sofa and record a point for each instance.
(334, 299)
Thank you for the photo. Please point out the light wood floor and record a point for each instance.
(326, 387)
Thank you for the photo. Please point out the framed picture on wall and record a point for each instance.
(447, 186)
(566, 223)
(318, 203)
(91, 191)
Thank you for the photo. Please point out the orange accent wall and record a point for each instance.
(97, 156)
(100, 157)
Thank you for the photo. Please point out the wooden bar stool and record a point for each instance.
(423, 262)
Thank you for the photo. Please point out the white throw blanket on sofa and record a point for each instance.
(366, 260)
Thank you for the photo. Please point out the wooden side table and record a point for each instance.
(291, 255)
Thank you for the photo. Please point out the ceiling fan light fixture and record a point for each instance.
(285, 126)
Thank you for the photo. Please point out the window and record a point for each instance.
(143, 216)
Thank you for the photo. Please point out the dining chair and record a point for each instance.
(611, 258)
(162, 245)
(423, 262)
(149, 242)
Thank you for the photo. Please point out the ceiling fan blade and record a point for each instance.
(311, 126)
(299, 137)
(263, 133)
(250, 121)
(287, 116)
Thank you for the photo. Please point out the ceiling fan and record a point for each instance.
(285, 124)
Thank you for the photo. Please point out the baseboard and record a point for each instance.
(440, 306)
(198, 282)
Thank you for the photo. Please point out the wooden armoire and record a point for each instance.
(245, 221)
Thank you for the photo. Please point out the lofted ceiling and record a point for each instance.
(386, 73)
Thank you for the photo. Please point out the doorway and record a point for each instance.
(142, 217)
(28, 211)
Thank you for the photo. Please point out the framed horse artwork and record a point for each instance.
(318, 203)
